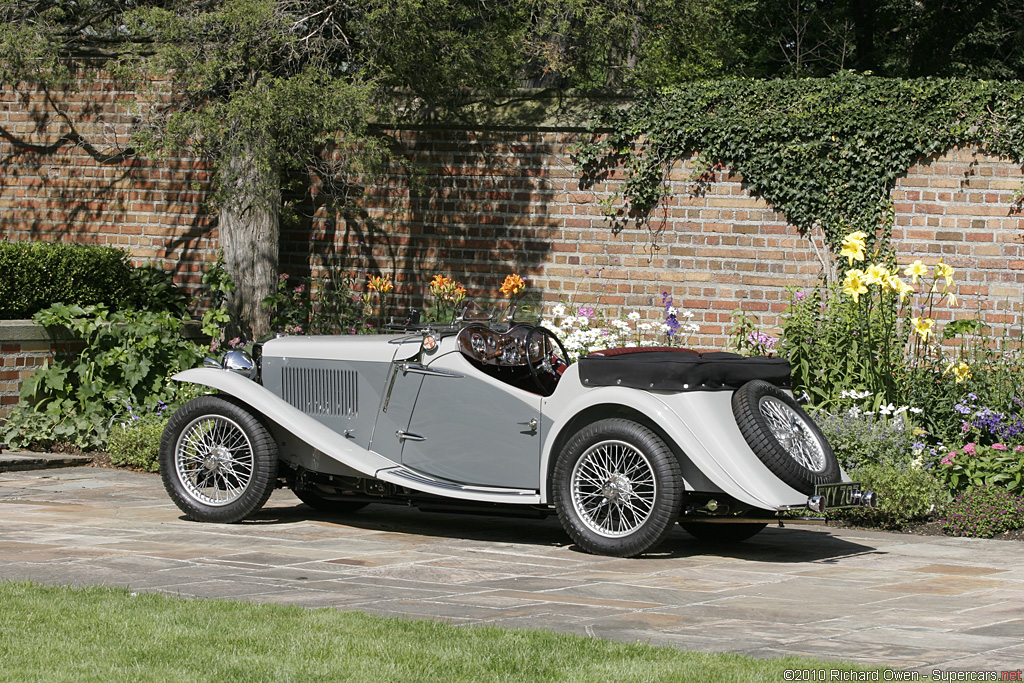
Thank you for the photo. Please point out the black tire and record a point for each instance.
(317, 501)
(617, 488)
(217, 460)
(784, 437)
(722, 533)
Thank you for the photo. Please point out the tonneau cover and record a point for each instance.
(669, 369)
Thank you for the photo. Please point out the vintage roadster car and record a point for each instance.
(491, 417)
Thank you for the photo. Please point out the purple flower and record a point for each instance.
(801, 295)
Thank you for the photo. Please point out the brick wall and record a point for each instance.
(483, 203)
(65, 177)
(23, 348)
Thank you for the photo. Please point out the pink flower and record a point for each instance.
(948, 460)
(1018, 449)
(969, 449)
(999, 446)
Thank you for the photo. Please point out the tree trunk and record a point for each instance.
(249, 225)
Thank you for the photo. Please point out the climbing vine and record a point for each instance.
(825, 152)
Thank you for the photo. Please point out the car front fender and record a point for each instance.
(265, 403)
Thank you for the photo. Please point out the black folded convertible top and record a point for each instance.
(664, 369)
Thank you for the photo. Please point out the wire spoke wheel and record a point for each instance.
(617, 488)
(214, 460)
(613, 488)
(793, 433)
(784, 437)
(217, 460)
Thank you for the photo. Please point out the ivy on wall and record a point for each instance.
(825, 152)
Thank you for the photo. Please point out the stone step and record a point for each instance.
(11, 461)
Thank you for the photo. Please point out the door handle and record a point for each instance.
(409, 436)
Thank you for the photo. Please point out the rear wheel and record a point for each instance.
(217, 460)
(617, 488)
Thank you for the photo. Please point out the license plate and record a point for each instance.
(839, 495)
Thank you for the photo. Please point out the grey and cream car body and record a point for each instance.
(492, 418)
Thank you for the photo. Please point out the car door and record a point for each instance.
(470, 428)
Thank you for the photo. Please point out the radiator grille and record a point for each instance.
(321, 391)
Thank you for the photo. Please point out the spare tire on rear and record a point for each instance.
(784, 437)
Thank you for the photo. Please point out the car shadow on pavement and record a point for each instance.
(786, 545)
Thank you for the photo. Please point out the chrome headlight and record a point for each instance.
(241, 362)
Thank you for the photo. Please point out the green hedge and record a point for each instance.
(35, 275)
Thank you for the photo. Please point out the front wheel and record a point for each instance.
(617, 488)
(217, 460)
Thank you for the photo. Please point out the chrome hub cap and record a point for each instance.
(793, 433)
(613, 488)
(214, 460)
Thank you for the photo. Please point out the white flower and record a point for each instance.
(900, 410)
(558, 310)
(917, 411)
(685, 314)
(621, 325)
(886, 410)
(644, 327)
(665, 329)
(550, 324)
(671, 310)
(634, 316)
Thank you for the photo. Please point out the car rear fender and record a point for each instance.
(290, 419)
(702, 426)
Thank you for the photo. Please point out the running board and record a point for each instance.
(412, 479)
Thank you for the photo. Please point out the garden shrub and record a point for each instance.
(126, 360)
(975, 465)
(906, 495)
(861, 438)
(34, 275)
(983, 512)
(154, 289)
(136, 443)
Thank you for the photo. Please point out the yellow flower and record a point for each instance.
(853, 247)
(903, 288)
(512, 285)
(854, 284)
(915, 271)
(951, 299)
(961, 370)
(876, 274)
(945, 271)
(922, 327)
(380, 284)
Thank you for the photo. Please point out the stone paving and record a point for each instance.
(912, 602)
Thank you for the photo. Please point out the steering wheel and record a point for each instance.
(557, 353)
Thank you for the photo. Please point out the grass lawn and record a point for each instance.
(104, 634)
